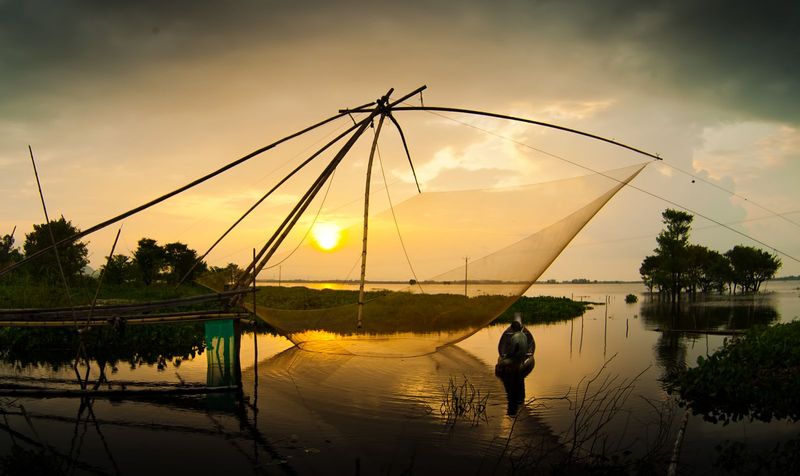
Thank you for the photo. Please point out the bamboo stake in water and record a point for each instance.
(366, 225)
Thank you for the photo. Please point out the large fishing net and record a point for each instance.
(465, 255)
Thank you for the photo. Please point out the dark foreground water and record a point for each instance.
(314, 413)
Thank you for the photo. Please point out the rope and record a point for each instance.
(168, 195)
(396, 225)
(646, 192)
(308, 230)
(733, 194)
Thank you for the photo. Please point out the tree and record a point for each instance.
(72, 256)
(751, 267)
(671, 250)
(149, 259)
(227, 275)
(8, 253)
(119, 270)
(716, 272)
(179, 260)
(650, 270)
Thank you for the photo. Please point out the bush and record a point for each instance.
(757, 376)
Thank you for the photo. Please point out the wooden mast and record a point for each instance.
(381, 104)
(280, 234)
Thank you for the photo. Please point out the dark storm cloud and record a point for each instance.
(739, 55)
(46, 44)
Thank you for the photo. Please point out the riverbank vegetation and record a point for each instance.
(155, 272)
(755, 377)
(679, 266)
(150, 263)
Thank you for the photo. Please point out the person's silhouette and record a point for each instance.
(515, 362)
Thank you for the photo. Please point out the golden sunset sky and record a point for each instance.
(124, 101)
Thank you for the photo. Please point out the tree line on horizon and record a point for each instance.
(150, 262)
(679, 266)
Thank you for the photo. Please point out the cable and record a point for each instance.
(396, 225)
(733, 194)
(313, 222)
(646, 192)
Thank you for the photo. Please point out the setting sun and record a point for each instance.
(326, 236)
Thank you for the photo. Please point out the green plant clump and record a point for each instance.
(757, 376)
(631, 298)
(544, 309)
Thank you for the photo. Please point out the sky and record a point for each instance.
(124, 101)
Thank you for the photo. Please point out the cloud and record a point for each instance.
(493, 159)
(144, 96)
(745, 151)
(732, 54)
(572, 110)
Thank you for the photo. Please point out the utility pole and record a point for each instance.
(466, 265)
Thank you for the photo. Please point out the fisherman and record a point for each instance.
(516, 361)
(506, 347)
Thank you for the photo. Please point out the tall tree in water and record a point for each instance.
(72, 255)
(751, 267)
(671, 251)
(650, 271)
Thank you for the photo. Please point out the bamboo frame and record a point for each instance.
(283, 230)
(177, 191)
(265, 196)
(120, 309)
(134, 320)
(360, 312)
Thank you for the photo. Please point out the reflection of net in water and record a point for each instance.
(518, 232)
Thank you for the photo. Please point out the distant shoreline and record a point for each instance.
(547, 282)
(340, 281)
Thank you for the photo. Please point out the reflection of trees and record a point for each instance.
(674, 320)
(136, 345)
(713, 314)
(33, 451)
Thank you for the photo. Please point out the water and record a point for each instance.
(314, 413)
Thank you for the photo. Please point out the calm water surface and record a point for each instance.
(313, 413)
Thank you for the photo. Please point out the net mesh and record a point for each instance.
(493, 242)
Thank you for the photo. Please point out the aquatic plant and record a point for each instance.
(735, 457)
(631, 298)
(589, 445)
(755, 377)
(463, 401)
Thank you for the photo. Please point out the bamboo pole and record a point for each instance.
(280, 234)
(119, 309)
(291, 219)
(672, 469)
(528, 121)
(244, 280)
(171, 194)
(405, 146)
(618, 144)
(150, 319)
(389, 104)
(360, 313)
(265, 196)
(50, 229)
(102, 275)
